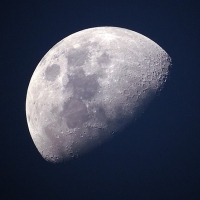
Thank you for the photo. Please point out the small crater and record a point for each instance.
(126, 93)
(52, 72)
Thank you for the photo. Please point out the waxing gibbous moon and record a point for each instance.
(90, 85)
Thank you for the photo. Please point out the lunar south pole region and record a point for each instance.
(89, 86)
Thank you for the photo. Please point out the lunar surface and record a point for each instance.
(89, 86)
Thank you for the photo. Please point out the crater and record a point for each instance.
(52, 72)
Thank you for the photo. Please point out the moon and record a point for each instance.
(89, 86)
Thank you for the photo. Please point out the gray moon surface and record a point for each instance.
(89, 86)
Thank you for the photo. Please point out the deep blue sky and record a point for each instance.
(157, 157)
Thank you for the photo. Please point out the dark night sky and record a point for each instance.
(157, 157)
